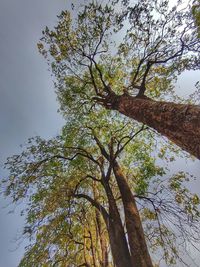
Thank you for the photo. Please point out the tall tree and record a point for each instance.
(129, 55)
(89, 169)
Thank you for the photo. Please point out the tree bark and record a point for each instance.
(85, 251)
(118, 242)
(180, 123)
(92, 249)
(104, 262)
(139, 252)
(117, 238)
(103, 242)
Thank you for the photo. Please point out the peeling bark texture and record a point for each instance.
(180, 123)
(139, 252)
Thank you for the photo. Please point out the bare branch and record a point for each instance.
(94, 203)
(130, 138)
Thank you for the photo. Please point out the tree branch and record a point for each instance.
(119, 150)
(94, 203)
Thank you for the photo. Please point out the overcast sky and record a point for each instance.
(28, 104)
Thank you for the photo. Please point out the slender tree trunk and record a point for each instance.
(103, 241)
(101, 232)
(117, 237)
(118, 242)
(85, 251)
(178, 122)
(92, 249)
(139, 252)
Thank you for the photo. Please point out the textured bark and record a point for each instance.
(118, 242)
(178, 122)
(103, 242)
(117, 237)
(139, 252)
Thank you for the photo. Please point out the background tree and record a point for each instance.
(129, 60)
(68, 179)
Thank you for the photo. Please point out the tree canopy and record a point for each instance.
(71, 186)
(128, 56)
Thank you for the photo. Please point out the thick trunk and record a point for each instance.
(117, 237)
(118, 242)
(178, 122)
(120, 252)
(139, 252)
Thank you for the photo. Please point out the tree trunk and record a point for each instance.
(178, 122)
(85, 251)
(92, 249)
(118, 242)
(101, 231)
(103, 242)
(117, 237)
(139, 252)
